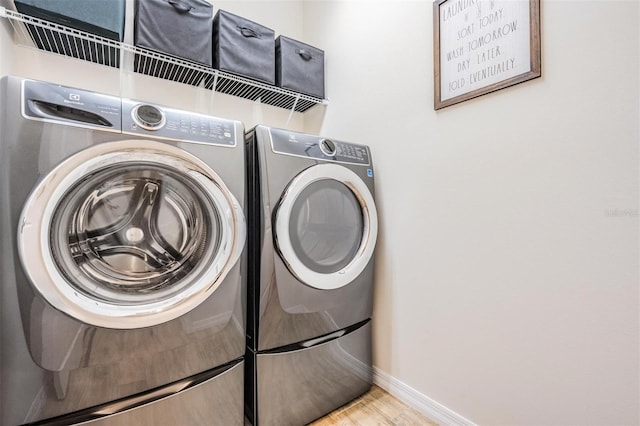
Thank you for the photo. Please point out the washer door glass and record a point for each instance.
(326, 226)
(130, 234)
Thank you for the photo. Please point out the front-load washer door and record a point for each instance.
(326, 226)
(130, 234)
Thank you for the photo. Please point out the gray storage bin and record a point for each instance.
(181, 28)
(299, 67)
(103, 18)
(243, 47)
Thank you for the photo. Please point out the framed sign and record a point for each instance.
(481, 46)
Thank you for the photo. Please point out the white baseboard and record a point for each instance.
(427, 406)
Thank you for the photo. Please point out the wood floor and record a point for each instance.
(375, 408)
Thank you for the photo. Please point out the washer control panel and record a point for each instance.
(303, 145)
(76, 107)
(169, 123)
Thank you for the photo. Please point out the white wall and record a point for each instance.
(507, 275)
(5, 47)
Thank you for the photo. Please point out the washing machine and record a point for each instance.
(312, 231)
(123, 248)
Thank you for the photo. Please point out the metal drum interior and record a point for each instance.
(131, 233)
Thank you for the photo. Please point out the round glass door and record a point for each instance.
(132, 232)
(326, 226)
(130, 238)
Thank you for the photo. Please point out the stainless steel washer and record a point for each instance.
(123, 239)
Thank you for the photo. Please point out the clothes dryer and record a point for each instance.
(313, 228)
(123, 236)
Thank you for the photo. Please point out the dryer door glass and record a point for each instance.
(326, 226)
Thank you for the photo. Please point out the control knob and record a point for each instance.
(328, 147)
(148, 117)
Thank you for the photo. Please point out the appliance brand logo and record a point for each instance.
(74, 98)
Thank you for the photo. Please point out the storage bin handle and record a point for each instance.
(248, 32)
(180, 7)
(304, 54)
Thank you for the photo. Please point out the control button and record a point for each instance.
(148, 117)
(328, 147)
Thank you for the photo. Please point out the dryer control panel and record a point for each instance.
(169, 123)
(303, 145)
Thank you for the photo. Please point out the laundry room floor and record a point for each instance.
(375, 408)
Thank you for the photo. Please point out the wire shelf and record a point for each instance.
(62, 40)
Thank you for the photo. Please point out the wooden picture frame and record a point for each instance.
(481, 46)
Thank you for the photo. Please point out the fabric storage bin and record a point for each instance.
(243, 47)
(181, 28)
(104, 18)
(299, 67)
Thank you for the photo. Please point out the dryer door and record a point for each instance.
(326, 226)
(130, 234)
